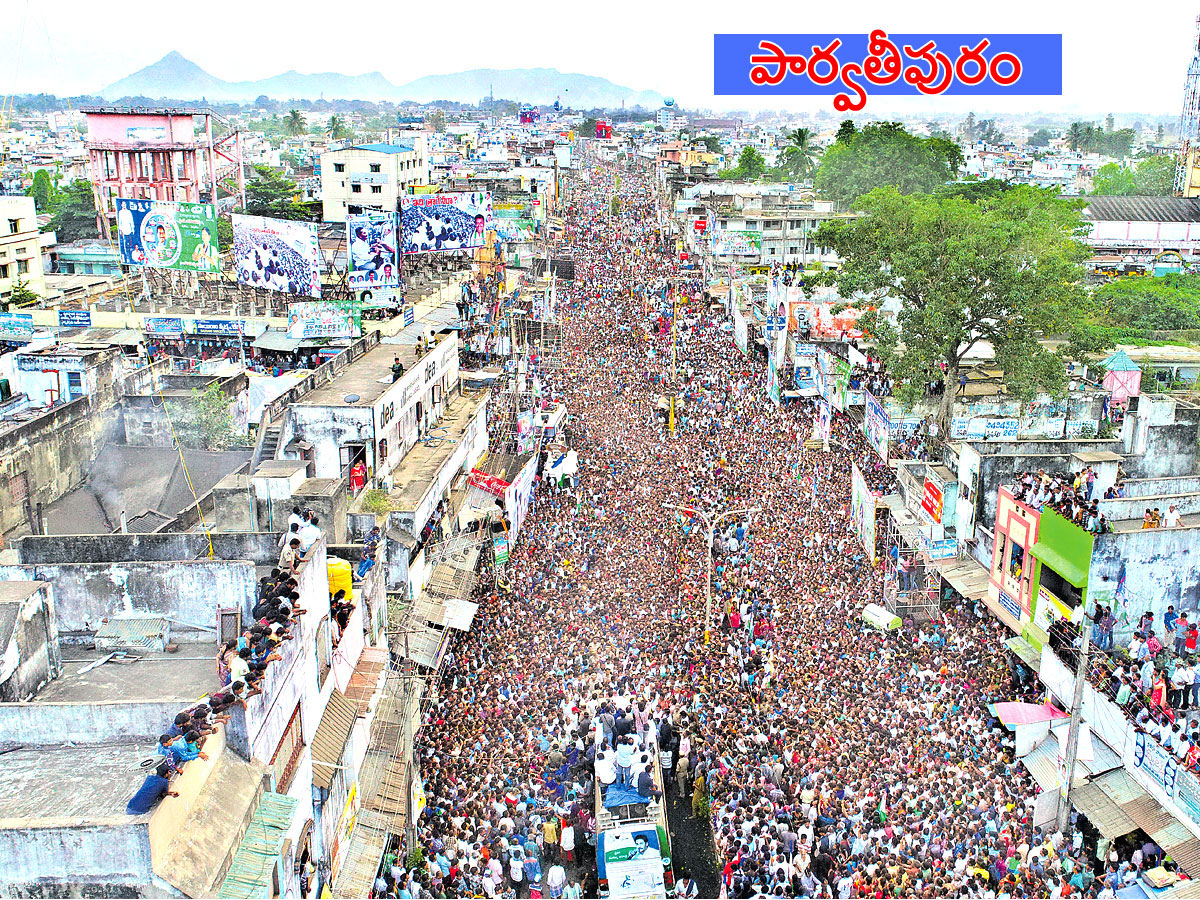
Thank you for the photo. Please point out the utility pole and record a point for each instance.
(712, 529)
(1072, 755)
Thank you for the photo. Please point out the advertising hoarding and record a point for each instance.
(161, 234)
(74, 318)
(324, 319)
(277, 255)
(163, 326)
(932, 501)
(876, 425)
(16, 325)
(438, 222)
(374, 258)
(217, 327)
(862, 511)
(735, 242)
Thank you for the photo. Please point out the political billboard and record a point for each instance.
(324, 319)
(876, 425)
(439, 222)
(514, 230)
(733, 242)
(161, 234)
(374, 258)
(862, 511)
(277, 255)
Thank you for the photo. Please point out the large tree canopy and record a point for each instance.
(1004, 270)
(884, 154)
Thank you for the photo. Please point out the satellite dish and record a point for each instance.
(351, 398)
(668, 101)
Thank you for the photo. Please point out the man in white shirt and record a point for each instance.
(1172, 518)
(310, 533)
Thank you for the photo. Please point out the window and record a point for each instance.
(1067, 593)
(75, 384)
(22, 266)
(3, 271)
(356, 188)
(287, 754)
(339, 167)
(14, 225)
(1016, 562)
(374, 167)
(376, 189)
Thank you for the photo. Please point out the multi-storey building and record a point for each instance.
(371, 177)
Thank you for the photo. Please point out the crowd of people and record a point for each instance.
(831, 759)
(1068, 494)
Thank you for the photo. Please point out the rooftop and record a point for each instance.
(1143, 209)
(369, 377)
(138, 677)
(80, 784)
(380, 148)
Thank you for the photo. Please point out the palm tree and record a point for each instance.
(337, 129)
(1075, 134)
(799, 154)
(294, 124)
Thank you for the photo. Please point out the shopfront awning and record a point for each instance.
(1060, 564)
(276, 340)
(329, 742)
(251, 873)
(1108, 817)
(1025, 651)
(422, 645)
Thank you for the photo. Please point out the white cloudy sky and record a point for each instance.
(1118, 58)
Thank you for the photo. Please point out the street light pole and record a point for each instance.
(712, 530)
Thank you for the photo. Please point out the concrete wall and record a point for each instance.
(1135, 507)
(48, 724)
(1170, 450)
(1148, 487)
(328, 499)
(49, 456)
(327, 428)
(32, 657)
(1161, 567)
(261, 547)
(87, 861)
(187, 592)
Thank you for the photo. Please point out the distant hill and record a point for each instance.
(177, 78)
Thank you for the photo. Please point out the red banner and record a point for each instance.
(931, 502)
(493, 484)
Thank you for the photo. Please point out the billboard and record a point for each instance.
(438, 222)
(163, 326)
(729, 242)
(824, 423)
(932, 500)
(16, 325)
(324, 319)
(741, 334)
(74, 318)
(277, 255)
(161, 234)
(876, 426)
(374, 261)
(514, 230)
(862, 511)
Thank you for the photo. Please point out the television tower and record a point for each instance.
(1187, 171)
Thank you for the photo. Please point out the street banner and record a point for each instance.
(324, 319)
(734, 242)
(493, 484)
(374, 260)
(862, 511)
(876, 425)
(277, 255)
(439, 222)
(160, 234)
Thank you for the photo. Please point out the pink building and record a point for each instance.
(1123, 377)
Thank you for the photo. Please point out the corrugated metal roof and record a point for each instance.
(1102, 811)
(365, 678)
(1142, 209)
(1120, 362)
(249, 874)
(1120, 787)
(142, 632)
(1186, 856)
(330, 740)
(1041, 762)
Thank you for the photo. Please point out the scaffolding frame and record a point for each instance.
(917, 597)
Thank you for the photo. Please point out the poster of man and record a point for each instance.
(374, 260)
(158, 234)
(439, 222)
(324, 319)
(277, 255)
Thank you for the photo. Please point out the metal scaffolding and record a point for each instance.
(1189, 125)
(910, 584)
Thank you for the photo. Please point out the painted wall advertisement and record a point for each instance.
(160, 234)
(277, 255)
(324, 319)
(876, 426)
(862, 511)
(438, 222)
(734, 242)
(163, 326)
(16, 325)
(374, 261)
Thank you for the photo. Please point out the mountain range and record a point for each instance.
(175, 77)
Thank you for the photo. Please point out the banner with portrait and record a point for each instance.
(324, 319)
(374, 251)
(735, 242)
(876, 425)
(438, 222)
(160, 234)
(862, 511)
(277, 255)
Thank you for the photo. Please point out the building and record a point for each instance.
(87, 257)
(1143, 227)
(371, 177)
(20, 247)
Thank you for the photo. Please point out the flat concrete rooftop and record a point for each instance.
(140, 676)
(369, 377)
(85, 783)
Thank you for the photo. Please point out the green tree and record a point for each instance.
(43, 191)
(22, 296)
(1155, 176)
(1040, 138)
(1108, 123)
(977, 190)
(1114, 179)
(205, 422)
(799, 155)
(75, 218)
(1149, 304)
(1075, 135)
(224, 232)
(846, 131)
(990, 133)
(337, 128)
(437, 120)
(295, 124)
(884, 153)
(614, 206)
(711, 142)
(968, 128)
(751, 164)
(273, 195)
(1158, 134)
(1005, 271)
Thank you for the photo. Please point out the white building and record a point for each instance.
(369, 177)
(20, 250)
